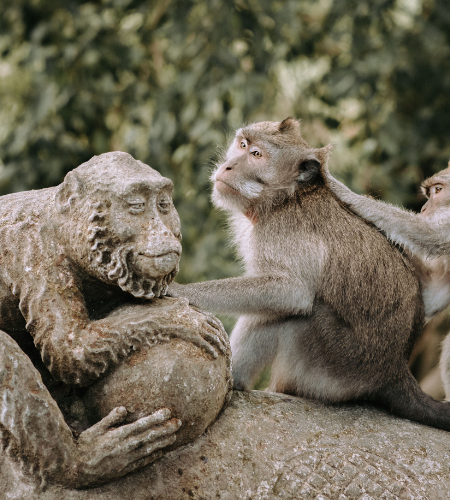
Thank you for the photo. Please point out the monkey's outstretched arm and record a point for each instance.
(249, 295)
(418, 235)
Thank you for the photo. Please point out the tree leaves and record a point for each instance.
(168, 81)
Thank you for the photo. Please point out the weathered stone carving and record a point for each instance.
(272, 446)
(78, 265)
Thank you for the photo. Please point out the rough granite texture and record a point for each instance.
(267, 445)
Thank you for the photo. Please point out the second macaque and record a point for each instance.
(425, 236)
(326, 299)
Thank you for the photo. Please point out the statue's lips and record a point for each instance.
(156, 266)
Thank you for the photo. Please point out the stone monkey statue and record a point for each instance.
(425, 236)
(69, 255)
(326, 300)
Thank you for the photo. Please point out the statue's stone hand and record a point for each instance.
(216, 333)
(106, 452)
(202, 329)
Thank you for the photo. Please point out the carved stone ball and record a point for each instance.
(174, 374)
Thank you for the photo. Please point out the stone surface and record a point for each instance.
(84, 267)
(174, 374)
(268, 446)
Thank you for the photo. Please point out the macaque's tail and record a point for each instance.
(405, 398)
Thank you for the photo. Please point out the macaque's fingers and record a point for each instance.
(175, 290)
(147, 438)
(115, 417)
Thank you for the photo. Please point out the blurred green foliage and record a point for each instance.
(168, 81)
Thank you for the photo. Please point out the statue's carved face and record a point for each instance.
(143, 232)
(133, 230)
(142, 214)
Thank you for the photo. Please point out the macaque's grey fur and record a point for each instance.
(326, 299)
(425, 236)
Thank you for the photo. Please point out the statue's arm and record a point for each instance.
(33, 430)
(417, 234)
(78, 351)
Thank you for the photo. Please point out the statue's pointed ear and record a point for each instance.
(71, 188)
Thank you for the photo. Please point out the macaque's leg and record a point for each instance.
(253, 346)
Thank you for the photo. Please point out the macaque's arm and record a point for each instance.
(415, 233)
(33, 429)
(78, 351)
(249, 295)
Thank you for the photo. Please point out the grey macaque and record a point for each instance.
(326, 299)
(425, 236)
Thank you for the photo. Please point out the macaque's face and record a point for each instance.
(437, 190)
(266, 161)
(245, 172)
(142, 215)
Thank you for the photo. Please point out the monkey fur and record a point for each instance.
(425, 236)
(326, 299)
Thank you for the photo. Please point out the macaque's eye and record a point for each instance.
(437, 189)
(164, 205)
(136, 207)
(256, 153)
(243, 145)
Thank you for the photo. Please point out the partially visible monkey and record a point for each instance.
(326, 299)
(425, 236)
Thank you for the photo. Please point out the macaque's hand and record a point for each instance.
(213, 335)
(175, 290)
(107, 451)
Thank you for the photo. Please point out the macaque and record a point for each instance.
(425, 236)
(326, 299)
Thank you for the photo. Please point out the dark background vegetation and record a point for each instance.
(168, 81)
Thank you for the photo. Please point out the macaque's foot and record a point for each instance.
(107, 451)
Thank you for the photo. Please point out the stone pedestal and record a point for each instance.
(267, 446)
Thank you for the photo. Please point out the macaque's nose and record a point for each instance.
(424, 208)
(228, 166)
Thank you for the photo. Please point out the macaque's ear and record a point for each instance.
(289, 124)
(308, 170)
(323, 154)
(67, 193)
